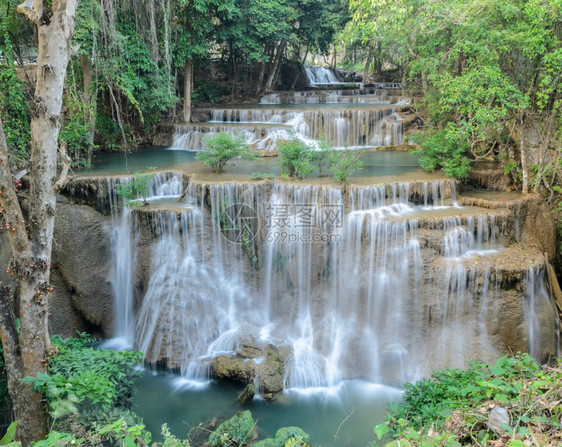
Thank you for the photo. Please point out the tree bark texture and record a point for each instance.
(31, 240)
(187, 87)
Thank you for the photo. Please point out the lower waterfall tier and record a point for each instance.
(292, 286)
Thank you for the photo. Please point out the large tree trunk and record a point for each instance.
(259, 82)
(25, 352)
(276, 66)
(367, 65)
(187, 85)
(530, 142)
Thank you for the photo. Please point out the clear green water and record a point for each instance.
(350, 411)
(379, 166)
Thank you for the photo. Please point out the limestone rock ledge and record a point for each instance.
(254, 362)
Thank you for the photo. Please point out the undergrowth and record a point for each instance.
(456, 407)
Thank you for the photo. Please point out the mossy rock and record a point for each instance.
(237, 431)
(286, 433)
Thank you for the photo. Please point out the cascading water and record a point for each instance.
(124, 240)
(373, 124)
(318, 75)
(335, 279)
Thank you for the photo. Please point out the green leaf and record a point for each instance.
(381, 430)
(10, 433)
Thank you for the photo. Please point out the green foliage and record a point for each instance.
(441, 150)
(13, 104)
(489, 73)
(9, 435)
(81, 376)
(137, 188)
(344, 164)
(292, 437)
(297, 158)
(237, 431)
(452, 407)
(286, 437)
(223, 147)
(262, 175)
(323, 158)
(76, 136)
(208, 91)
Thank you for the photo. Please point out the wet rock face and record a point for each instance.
(81, 248)
(254, 361)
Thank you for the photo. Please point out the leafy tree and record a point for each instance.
(13, 103)
(344, 164)
(223, 147)
(490, 71)
(297, 158)
(193, 37)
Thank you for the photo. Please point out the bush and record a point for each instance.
(323, 158)
(235, 432)
(297, 158)
(81, 376)
(134, 190)
(344, 164)
(440, 150)
(221, 148)
(286, 437)
(454, 406)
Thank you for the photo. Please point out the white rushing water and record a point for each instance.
(373, 125)
(353, 286)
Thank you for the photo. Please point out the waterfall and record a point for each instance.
(320, 76)
(377, 282)
(352, 128)
(124, 239)
(538, 308)
(124, 242)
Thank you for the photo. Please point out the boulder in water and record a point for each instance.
(248, 394)
(253, 363)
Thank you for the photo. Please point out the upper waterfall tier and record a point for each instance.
(362, 126)
(346, 118)
(362, 95)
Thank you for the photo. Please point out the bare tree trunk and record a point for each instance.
(367, 65)
(276, 65)
(529, 134)
(31, 260)
(187, 84)
(260, 78)
(89, 102)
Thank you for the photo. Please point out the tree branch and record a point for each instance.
(8, 328)
(26, 9)
(13, 215)
(65, 160)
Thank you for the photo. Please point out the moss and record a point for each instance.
(237, 431)
(286, 433)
